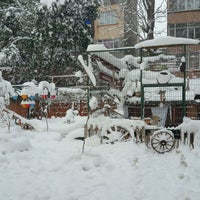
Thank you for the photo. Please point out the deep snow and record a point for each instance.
(40, 165)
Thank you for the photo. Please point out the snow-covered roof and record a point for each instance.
(71, 90)
(166, 41)
(101, 51)
(96, 47)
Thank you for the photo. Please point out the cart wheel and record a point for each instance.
(162, 141)
(117, 133)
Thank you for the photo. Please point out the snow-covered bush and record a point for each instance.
(93, 103)
(6, 91)
(70, 116)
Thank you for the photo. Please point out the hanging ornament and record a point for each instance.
(53, 96)
(15, 96)
(32, 97)
(32, 104)
(25, 104)
(24, 96)
(45, 94)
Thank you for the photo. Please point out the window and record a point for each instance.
(171, 29)
(112, 43)
(172, 5)
(181, 30)
(194, 30)
(108, 18)
(181, 5)
(197, 4)
(191, 33)
(186, 30)
(197, 33)
(172, 32)
(190, 4)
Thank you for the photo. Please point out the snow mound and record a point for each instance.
(13, 142)
(190, 125)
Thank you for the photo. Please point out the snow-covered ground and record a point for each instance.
(41, 165)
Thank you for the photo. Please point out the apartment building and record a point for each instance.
(110, 28)
(183, 20)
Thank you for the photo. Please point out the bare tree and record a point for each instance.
(143, 14)
(140, 17)
(131, 22)
(147, 18)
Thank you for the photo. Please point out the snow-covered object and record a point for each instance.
(131, 87)
(93, 48)
(71, 90)
(166, 41)
(123, 73)
(53, 90)
(183, 59)
(70, 116)
(2, 102)
(190, 125)
(93, 103)
(164, 77)
(197, 91)
(106, 123)
(29, 89)
(48, 3)
(43, 87)
(131, 61)
(144, 65)
(133, 75)
(79, 74)
(6, 89)
(127, 62)
(107, 71)
(88, 70)
(151, 76)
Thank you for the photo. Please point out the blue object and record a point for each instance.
(88, 21)
(15, 97)
(32, 97)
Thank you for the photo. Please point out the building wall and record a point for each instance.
(183, 17)
(106, 32)
(56, 109)
(182, 5)
(121, 31)
(183, 20)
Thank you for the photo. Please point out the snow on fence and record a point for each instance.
(166, 79)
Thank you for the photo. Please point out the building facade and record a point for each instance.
(110, 28)
(183, 20)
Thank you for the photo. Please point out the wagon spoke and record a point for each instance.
(156, 145)
(117, 133)
(157, 139)
(162, 141)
